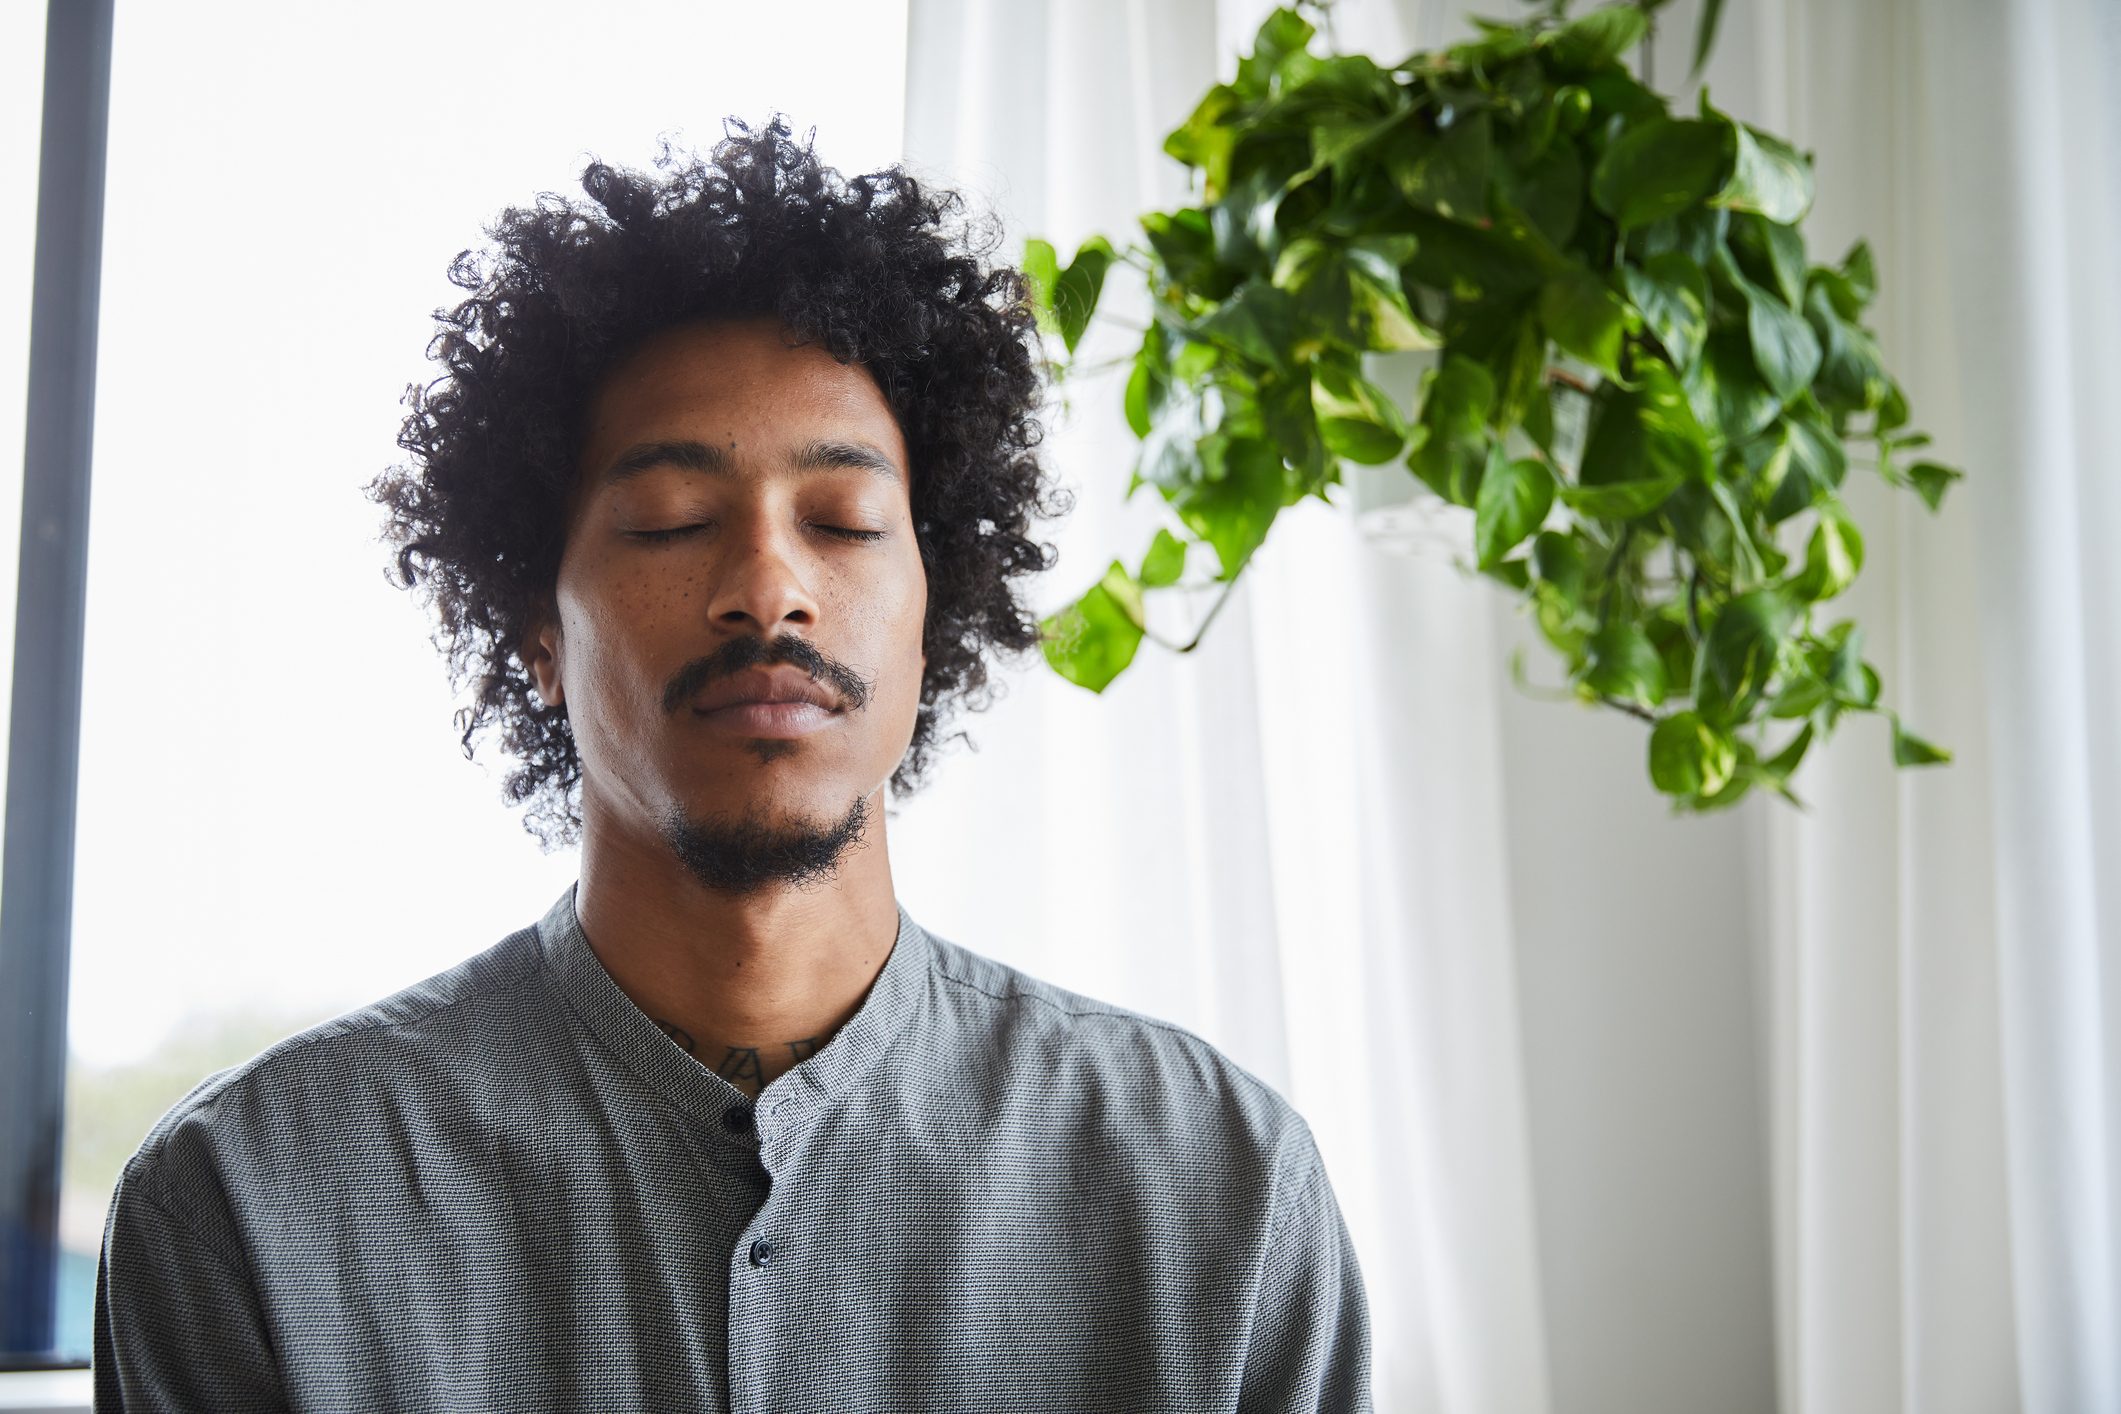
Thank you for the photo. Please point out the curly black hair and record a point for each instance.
(874, 268)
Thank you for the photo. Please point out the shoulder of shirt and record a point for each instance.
(411, 1015)
(1102, 1032)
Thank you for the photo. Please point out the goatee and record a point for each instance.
(749, 854)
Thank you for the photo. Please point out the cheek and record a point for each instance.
(908, 618)
(609, 627)
(880, 636)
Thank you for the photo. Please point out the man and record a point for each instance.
(721, 500)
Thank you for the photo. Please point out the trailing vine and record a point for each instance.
(1633, 367)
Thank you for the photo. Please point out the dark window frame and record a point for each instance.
(44, 734)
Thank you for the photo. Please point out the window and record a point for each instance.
(275, 822)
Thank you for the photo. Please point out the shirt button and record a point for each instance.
(737, 1119)
(761, 1252)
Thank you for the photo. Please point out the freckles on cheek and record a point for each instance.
(615, 620)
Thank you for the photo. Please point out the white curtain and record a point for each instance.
(1947, 944)
(1627, 1113)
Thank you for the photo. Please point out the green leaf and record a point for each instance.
(1644, 443)
(1658, 169)
(1852, 373)
(1783, 764)
(1185, 244)
(1208, 137)
(1785, 349)
(1282, 36)
(1691, 757)
(1794, 463)
(1125, 592)
(1623, 663)
(1767, 175)
(1511, 572)
(1197, 357)
(1041, 270)
(1840, 294)
(1705, 33)
(1727, 391)
(1171, 452)
(1537, 422)
(1478, 262)
(1912, 750)
(1346, 123)
(1164, 562)
(1548, 191)
(1673, 296)
(1558, 560)
(1291, 425)
(1499, 44)
(1892, 409)
(1353, 293)
(1582, 316)
(1242, 224)
(1257, 322)
(1381, 319)
(1592, 41)
(1700, 527)
(1513, 500)
(1504, 336)
(1733, 790)
(1815, 448)
(1931, 481)
(1741, 527)
(1785, 247)
(1770, 253)
(1847, 676)
(1832, 558)
(1446, 173)
(1092, 641)
(1451, 438)
(1770, 474)
(1233, 512)
(1861, 273)
(1357, 419)
(1799, 698)
(1076, 289)
(1699, 233)
(1740, 652)
(1149, 383)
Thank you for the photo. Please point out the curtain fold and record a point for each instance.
(2024, 106)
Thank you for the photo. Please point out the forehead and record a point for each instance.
(747, 382)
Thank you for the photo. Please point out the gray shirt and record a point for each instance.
(507, 1189)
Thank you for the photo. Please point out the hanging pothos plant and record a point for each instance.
(1638, 376)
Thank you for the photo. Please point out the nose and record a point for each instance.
(759, 585)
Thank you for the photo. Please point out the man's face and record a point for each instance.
(741, 520)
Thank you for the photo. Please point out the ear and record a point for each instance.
(540, 652)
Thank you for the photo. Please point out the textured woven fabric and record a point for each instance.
(506, 1189)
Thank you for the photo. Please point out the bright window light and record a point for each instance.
(276, 822)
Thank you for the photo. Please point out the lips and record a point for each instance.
(780, 686)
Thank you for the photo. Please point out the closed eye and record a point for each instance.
(675, 531)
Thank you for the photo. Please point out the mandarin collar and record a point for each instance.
(798, 1094)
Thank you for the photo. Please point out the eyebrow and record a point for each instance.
(815, 455)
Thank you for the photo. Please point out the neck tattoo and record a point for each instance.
(742, 1065)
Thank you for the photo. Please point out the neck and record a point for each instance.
(750, 983)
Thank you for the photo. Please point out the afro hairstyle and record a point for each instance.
(875, 268)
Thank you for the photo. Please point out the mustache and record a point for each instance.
(751, 652)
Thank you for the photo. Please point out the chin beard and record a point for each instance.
(747, 855)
